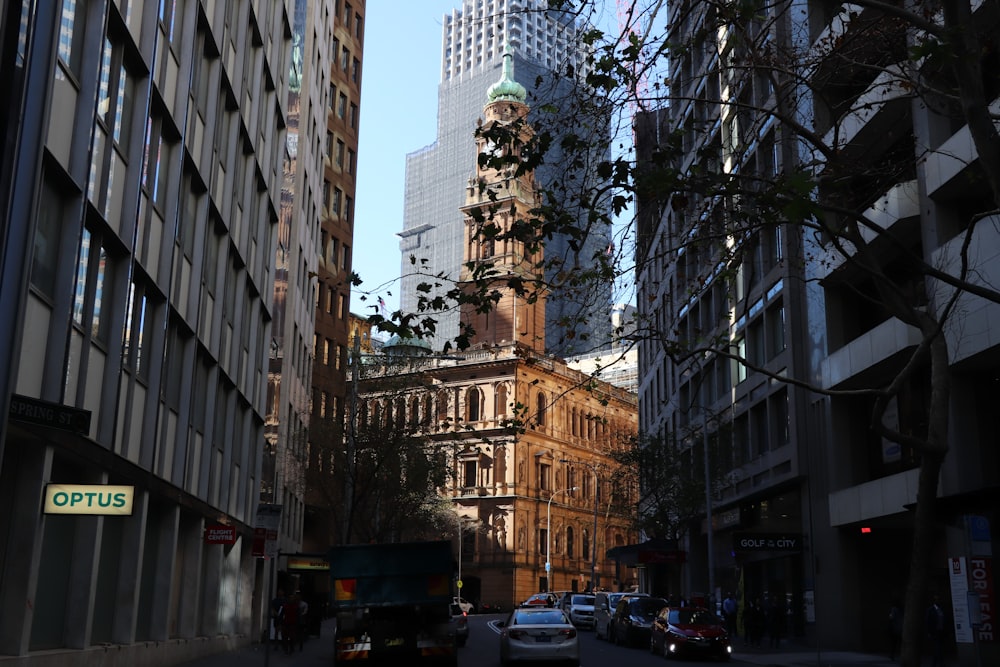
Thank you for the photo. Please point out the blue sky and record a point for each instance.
(402, 69)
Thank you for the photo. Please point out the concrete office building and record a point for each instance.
(806, 467)
(473, 39)
(140, 207)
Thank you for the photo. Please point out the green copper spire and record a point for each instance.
(506, 89)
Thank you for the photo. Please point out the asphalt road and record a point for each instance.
(483, 649)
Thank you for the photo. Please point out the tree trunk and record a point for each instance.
(925, 521)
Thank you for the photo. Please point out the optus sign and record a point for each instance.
(89, 499)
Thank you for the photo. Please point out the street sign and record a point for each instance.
(265, 534)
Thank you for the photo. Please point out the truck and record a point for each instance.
(392, 604)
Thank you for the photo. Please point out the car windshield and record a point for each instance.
(646, 606)
(546, 617)
(582, 599)
(693, 617)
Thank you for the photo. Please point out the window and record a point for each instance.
(473, 400)
(351, 158)
(346, 259)
(140, 317)
(348, 209)
(345, 58)
(157, 160)
(442, 405)
(540, 409)
(72, 25)
(342, 106)
(338, 195)
(569, 541)
(739, 372)
(48, 231)
(501, 401)
(775, 322)
(353, 120)
(585, 547)
(470, 473)
(358, 31)
(101, 296)
(340, 154)
(115, 94)
(544, 476)
(355, 70)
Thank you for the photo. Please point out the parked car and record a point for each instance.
(466, 606)
(563, 598)
(540, 600)
(632, 620)
(538, 633)
(689, 631)
(605, 603)
(460, 621)
(581, 610)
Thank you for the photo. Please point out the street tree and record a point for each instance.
(807, 79)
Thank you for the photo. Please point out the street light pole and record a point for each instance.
(548, 535)
(593, 539)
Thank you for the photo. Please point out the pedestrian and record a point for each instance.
(895, 628)
(289, 623)
(303, 628)
(729, 610)
(934, 620)
(753, 622)
(775, 621)
(277, 607)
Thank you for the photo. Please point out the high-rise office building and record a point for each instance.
(140, 207)
(546, 49)
(811, 506)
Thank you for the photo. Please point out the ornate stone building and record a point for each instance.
(536, 493)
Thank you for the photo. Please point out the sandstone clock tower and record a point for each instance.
(497, 197)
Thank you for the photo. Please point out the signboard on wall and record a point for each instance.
(960, 600)
(89, 499)
(218, 533)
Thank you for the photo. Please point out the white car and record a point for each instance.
(581, 610)
(538, 633)
(466, 606)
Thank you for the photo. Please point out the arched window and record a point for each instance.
(572, 420)
(501, 400)
(400, 412)
(442, 405)
(586, 542)
(473, 404)
(428, 410)
(414, 412)
(569, 541)
(540, 409)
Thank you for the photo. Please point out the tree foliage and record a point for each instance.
(702, 199)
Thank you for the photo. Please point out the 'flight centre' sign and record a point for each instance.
(89, 499)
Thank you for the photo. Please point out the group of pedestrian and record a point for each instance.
(758, 619)
(288, 614)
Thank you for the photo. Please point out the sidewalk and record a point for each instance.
(797, 655)
(316, 652)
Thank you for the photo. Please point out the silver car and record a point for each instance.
(581, 610)
(538, 634)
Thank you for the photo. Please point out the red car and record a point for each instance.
(689, 631)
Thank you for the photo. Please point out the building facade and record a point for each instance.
(817, 509)
(141, 203)
(546, 47)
